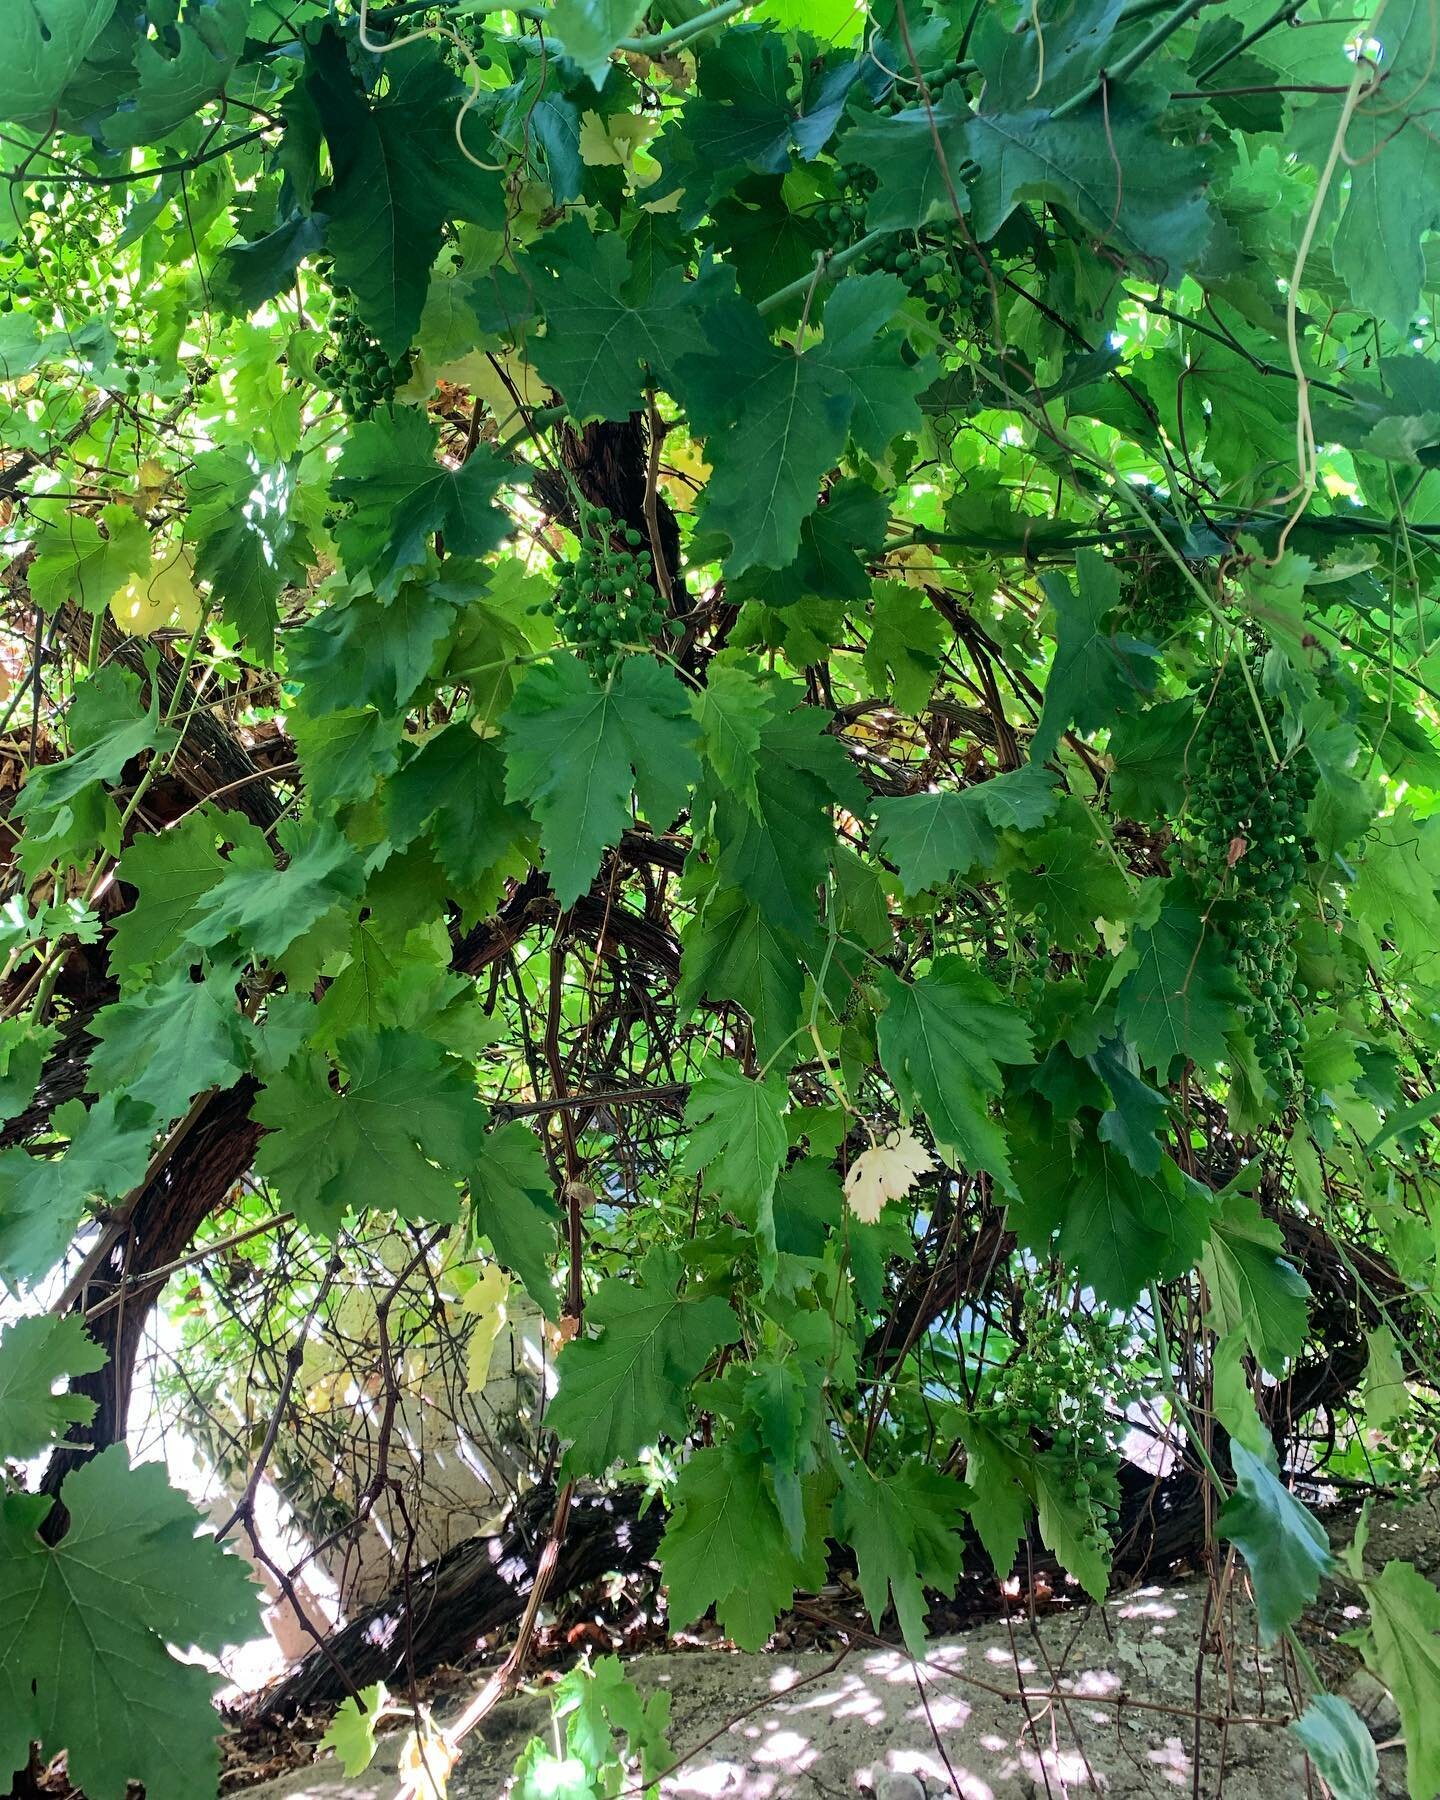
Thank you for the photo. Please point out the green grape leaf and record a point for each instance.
(1336, 1740)
(1179, 997)
(1148, 751)
(299, 1155)
(589, 30)
(369, 653)
(1402, 1647)
(915, 179)
(936, 838)
(1155, 212)
(265, 908)
(512, 1204)
(907, 639)
(1097, 672)
(1136, 1112)
(343, 755)
(453, 788)
(779, 857)
(776, 421)
(84, 1626)
(24, 1047)
(42, 1197)
(35, 1353)
(942, 1039)
(733, 951)
(998, 1500)
(350, 1734)
(629, 1386)
(1386, 1397)
(1253, 1290)
(173, 870)
(47, 42)
(1069, 883)
(88, 560)
(570, 746)
(1065, 1528)
(904, 1529)
(609, 328)
(725, 1546)
(1118, 1229)
(169, 1042)
(732, 710)
(400, 496)
(173, 86)
(1283, 1543)
(738, 1144)
(246, 545)
(397, 174)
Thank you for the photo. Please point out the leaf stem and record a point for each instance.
(826, 267)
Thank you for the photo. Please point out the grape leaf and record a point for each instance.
(1283, 1543)
(570, 745)
(368, 653)
(627, 1387)
(397, 175)
(511, 1204)
(1337, 1742)
(732, 950)
(84, 1626)
(725, 1546)
(775, 421)
(589, 30)
(1402, 1647)
(48, 40)
(1179, 996)
(608, 326)
(942, 1039)
(935, 838)
(174, 85)
(400, 496)
(43, 1196)
(170, 1041)
(1253, 1290)
(738, 1143)
(265, 908)
(351, 1733)
(86, 560)
(454, 789)
(1070, 882)
(1097, 671)
(904, 1529)
(35, 1353)
(174, 870)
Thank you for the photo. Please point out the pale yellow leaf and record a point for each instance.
(162, 596)
(884, 1172)
(485, 1303)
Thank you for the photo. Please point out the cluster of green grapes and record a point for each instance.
(1158, 600)
(1073, 1370)
(604, 602)
(1247, 825)
(357, 370)
(936, 264)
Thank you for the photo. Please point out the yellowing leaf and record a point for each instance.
(612, 143)
(884, 1172)
(684, 471)
(162, 596)
(151, 480)
(485, 1303)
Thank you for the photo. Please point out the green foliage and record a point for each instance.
(719, 591)
(35, 1353)
(1402, 1646)
(84, 1626)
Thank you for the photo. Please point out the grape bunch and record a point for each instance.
(1073, 1369)
(1247, 827)
(1159, 600)
(604, 602)
(357, 369)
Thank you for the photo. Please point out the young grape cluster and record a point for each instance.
(1247, 822)
(356, 368)
(1158, 600)
(1073, 1369)
(604, 602)
(936, 264)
